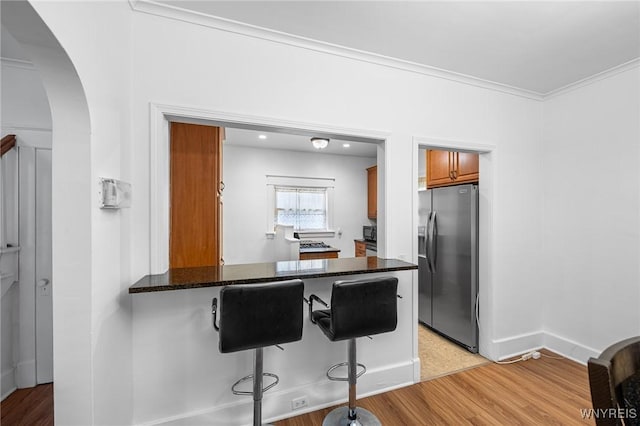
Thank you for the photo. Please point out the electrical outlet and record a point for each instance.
(299, 403)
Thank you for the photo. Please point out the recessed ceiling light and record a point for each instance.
(346, 145)
(262, 136)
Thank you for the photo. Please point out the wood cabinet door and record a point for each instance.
(195, 200)
(439, 168)
(361, 249)
(466, 167)
(372, 192)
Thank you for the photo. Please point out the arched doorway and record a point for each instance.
(70, 218)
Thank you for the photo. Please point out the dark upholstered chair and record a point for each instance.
(614, 379)
(358, 308)
(253, 316)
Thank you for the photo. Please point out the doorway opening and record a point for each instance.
(68, 130)
(27, 340)
(448, 256)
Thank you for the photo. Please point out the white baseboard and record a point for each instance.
(26, 374)
(8, 382)
(517, 345)
(523, 343)
(568, 348)
(277, 405)
(417, 366)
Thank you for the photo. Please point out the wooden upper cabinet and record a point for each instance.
(372, 192)
(446, 168)
(439, 166)
(195, 235)
(467, 166)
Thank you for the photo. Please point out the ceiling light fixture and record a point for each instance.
(319, 143)
(346, 145)
(262, 136)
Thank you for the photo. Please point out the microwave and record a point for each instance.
(369, 233)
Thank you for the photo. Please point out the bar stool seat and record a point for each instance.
(254, 316)
(358, 308)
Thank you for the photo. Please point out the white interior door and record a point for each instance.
(44, 301)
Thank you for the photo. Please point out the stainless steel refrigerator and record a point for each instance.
(448, 262)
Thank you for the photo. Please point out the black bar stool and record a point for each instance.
(253, 316)
(358, 308)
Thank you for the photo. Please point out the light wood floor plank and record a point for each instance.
(535, 392)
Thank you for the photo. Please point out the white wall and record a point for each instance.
(181, 64)
(178, 63)
(245, 197)
(591, 180)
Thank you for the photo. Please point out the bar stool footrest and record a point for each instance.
(250, 377)
(344, 379)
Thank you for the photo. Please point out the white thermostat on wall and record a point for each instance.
(114, 194)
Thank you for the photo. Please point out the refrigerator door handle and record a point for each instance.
(431, 242)
(426, 242)
(434, 241)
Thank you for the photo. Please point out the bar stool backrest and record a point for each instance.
(259, 315)
(364, 307)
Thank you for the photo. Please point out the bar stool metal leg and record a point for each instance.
(352, 378)
(257, 387)
(351, 415)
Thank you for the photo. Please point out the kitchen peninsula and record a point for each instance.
(181, 376)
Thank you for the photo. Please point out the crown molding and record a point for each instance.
(17, 63)
(172, 12)
(618, 69)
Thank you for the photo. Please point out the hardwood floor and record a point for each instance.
(535, 392)
(31, 406)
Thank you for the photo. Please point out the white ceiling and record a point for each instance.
(531, 45)
(289, 142)
(536, 46)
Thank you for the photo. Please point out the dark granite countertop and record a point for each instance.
(212, 276)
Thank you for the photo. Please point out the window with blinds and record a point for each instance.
(303, 208)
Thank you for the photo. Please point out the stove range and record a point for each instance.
(312, 244)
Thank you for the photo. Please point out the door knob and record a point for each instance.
(43, 282)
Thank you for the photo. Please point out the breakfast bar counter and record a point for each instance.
(212, 276)
(181, 376)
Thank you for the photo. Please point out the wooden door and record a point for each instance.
(466, 167)
(439, 167)
(372, 192)
(195, 202)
